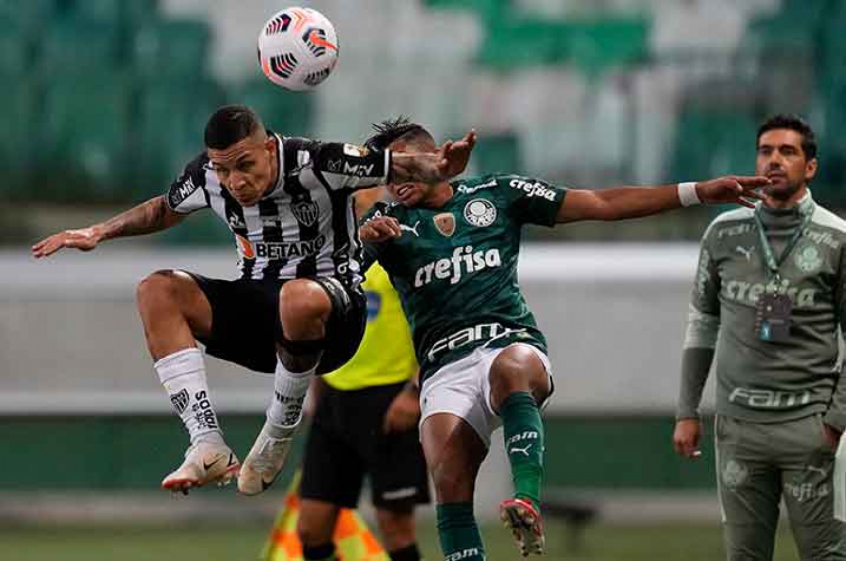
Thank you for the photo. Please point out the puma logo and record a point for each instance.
(524, 451)
(412, 229)
(747, 253)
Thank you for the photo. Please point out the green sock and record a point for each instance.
(460, 538)
(523, 432)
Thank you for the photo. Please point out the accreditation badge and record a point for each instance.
(772, 320)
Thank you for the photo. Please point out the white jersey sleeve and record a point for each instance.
(187, 193)
(336, 165)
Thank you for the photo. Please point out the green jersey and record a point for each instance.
(455, 267)
(758, 379)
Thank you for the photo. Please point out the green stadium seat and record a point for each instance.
(791, 29)
(172, 49)
(84, 135)
(593, 46)
(490, 10)
(29, 15)
(123, 13)
(714, 142)
(523, 43)
(15, 50)
(597, 46)
(285, 112)
(80, 47)
(136, 12)
(499, 153)
(106, 11)
(17, 136)
(168, 129)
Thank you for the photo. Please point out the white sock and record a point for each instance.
(183, 376)
(290, 389)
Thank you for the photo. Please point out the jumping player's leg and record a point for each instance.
(454, 453)
(174, 311)
(519, 383)
(304, 311)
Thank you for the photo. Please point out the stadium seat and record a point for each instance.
(15, 52)
(489, 10)
(127, 15)
(105, 11)
(172, 49)
(593, 46)
(168, 129)
(29, 15)
(285, 112)
(498, 153)
(17, 136)
(597, 46)
(522, 43)
(84, 133)
(714, 142)
(74, 46)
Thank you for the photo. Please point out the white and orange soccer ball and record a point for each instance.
(298, 48)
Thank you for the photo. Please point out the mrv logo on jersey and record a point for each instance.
(463, 261)
(536, 189)
(481, 332)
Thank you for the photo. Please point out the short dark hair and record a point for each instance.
(389, 131)
(230, 124)
(794, 123)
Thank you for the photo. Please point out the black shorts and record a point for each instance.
(246, 326)
(346, 442)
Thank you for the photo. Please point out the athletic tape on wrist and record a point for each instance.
(687, 193)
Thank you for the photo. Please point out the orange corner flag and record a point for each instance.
(355, 542)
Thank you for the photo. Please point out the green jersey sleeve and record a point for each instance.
(836, 414)
(706, 287)
(531, 200)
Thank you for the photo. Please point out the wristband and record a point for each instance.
(687, 194)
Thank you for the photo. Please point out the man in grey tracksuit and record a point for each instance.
(768, 299)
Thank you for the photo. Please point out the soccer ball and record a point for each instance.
(298, 48)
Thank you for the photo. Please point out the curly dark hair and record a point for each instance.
(392, 130)
(794, 123)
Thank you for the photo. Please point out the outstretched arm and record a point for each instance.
(146, 218)
(634, 202)
(450, 160)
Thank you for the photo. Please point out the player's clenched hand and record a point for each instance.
(84, 239)
(686, 438)
(380, 229)
(732, 189)
(403, 413)
(454, 156)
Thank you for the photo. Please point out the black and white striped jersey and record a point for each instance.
(305, 225)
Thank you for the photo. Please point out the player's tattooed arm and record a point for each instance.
(450, 160)
(148, 217)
